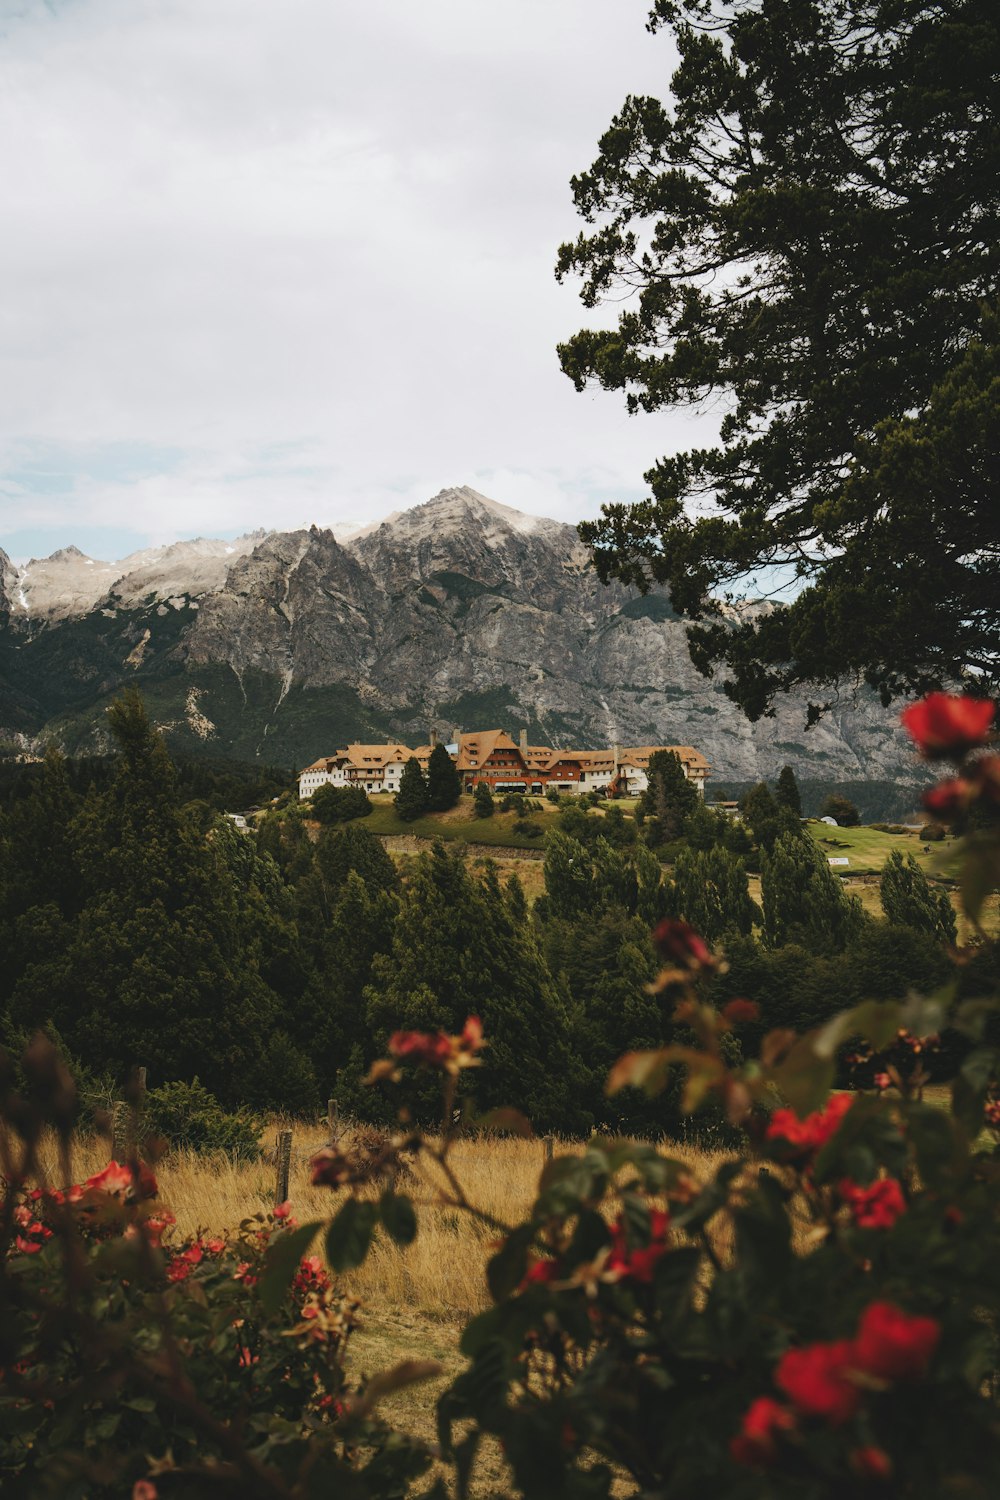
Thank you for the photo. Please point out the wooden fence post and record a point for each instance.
(136, 1097)
(331, 1118)
(119, 1130)
(284, 1155)
(549, 1147)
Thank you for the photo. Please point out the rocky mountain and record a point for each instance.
(458, 613)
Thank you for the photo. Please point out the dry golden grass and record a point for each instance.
(441, 1275)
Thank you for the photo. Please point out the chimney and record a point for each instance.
(617, 752)
(524, 744)
(433, 738)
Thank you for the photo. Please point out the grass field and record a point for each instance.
(868, 848)
(458, 825)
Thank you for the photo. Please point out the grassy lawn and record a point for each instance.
(868, 849)
(458, 824)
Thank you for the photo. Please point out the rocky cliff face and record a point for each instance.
(458, 613)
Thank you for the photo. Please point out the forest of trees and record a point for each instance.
(274, 965)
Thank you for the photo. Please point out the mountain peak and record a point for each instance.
(458, 504)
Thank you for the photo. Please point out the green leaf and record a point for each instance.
(506, 1269)
(968, 1092)
(803, 1077)
(398, 1216)
(763, 1232)
(281, 1261)
(979, 875)
(350, 1234)
(939, 1150)
(877, 1021)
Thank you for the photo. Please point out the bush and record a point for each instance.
(933, 833)
(526, 829)
(176, 1360)
(189, 1117)
(339, 804)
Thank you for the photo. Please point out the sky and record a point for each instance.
(265, 265)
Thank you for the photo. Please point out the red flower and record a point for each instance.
(762, 1421)
(882, 1081)
(144, 1489)
(115, 1178)
(816, 1380)
(877, 1206)
(156, 1224)
(437, 1050)
(540, 1273)
(741, 1010)
(808, 1136)
(330, 1168)
(892, 1344)
(282, 1210)
(215, 1246)
(679, 944)
(948, 798)
(430, 1047)
(871, 1463)
(639, 1264)
(27, 1247)
(943, 724)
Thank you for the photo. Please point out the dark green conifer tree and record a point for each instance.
(482, 800)
(711, 891)
(458, 950)
(411, 799)
(569, 878)
(155, 972)
(786, 793)
(669, 798)
(803, 900)
(444, 784)
(909, 899)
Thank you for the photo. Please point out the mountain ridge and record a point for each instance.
(458, 613)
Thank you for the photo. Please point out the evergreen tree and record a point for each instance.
(411, 799)
(457, 949)
(705, 827)
(444, 784)
(803, 900)
(155, 972)
(861, 386)
(354, 848)
(651, 898)
(482, 800)
(764, 818)
(711, 892)
(786, 793)
(41, 885)
(569, 878)
(909, 899)
(670, 798)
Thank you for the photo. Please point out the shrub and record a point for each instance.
(180, 1368)
(339, 804)
(189, 1117)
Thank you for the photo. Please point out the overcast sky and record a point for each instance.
(265, 264)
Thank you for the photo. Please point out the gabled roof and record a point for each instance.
(375, 757)
(480, 746)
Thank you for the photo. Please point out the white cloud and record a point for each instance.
(305, 250)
